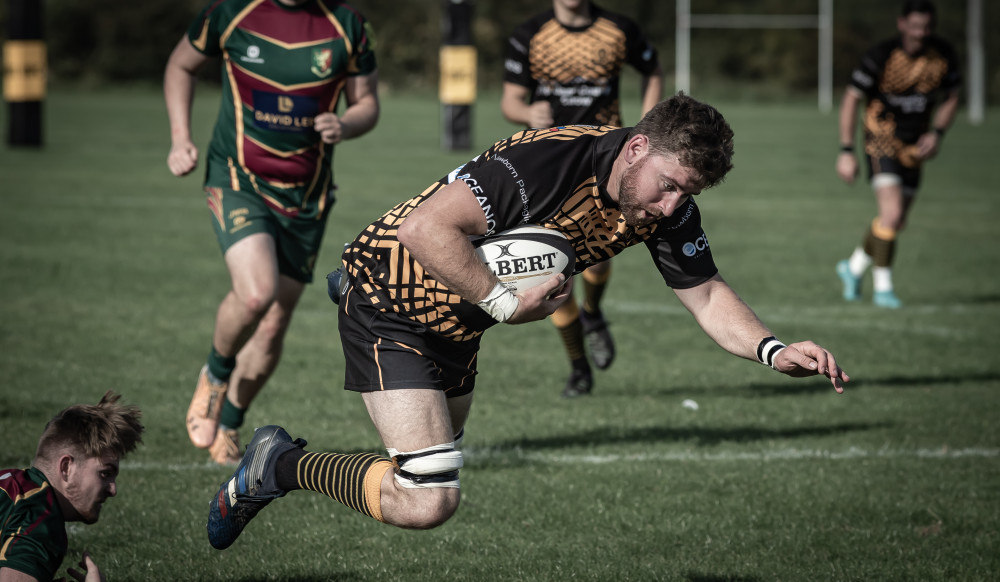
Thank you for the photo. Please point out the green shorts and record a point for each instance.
(237, 214)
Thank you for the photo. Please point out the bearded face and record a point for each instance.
(653, 187)
(628, 196)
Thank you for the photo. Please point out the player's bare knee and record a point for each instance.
(427, 508)
(256, 302)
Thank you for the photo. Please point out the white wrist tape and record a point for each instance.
(501, 303)
(768, 350)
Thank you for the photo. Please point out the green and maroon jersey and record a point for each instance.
(556, 178)
(577, 69)
(282, 66)
(32, 527)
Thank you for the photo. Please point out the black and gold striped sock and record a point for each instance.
(354, 480)
(572, 337)
(594, 286)
(567, 320)
(880, 244)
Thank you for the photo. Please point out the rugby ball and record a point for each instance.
(526, 256)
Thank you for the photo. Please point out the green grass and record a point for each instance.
(111, 276)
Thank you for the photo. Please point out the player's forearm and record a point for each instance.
(848, 117)
(652, 90)
(178, 88)
(945, 114)
(724, 317)
(446, 253)
(436, 233)
(360, 118)
(178, 92)
(515, 111)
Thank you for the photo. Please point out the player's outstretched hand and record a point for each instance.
(90, 572)
(539, 302)
(183, 158)
(808, 359)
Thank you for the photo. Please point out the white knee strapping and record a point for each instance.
(435, 466)
(885, 180)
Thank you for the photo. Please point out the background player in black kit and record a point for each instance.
(418, 301)
(563, 67)
(902, 79)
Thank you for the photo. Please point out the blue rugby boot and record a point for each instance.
(852, 284)
(251, 487)
(887, 300)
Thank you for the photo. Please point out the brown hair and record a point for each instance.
(693, 131)
(93, 430)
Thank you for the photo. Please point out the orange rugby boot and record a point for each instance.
(226, 448)
(204, 411)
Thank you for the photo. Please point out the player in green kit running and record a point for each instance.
(73, 473)
(285, 66)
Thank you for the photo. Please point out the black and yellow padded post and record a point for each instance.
(457, 88)
(24, 72)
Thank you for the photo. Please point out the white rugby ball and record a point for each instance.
(526, 256)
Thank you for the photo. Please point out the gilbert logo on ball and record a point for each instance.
(526, 256)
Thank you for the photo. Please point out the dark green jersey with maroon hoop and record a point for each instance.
(282, 66)
(32, 527)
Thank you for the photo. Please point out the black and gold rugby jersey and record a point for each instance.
(577, 69)
(902, 91)
(554, 177)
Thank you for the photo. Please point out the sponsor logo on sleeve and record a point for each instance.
(696, 247)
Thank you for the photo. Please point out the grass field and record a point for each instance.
(111, 276)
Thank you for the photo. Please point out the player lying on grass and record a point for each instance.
(418, 301)
(72, 475)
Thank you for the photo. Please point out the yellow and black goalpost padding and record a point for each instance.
(24, 72)
(457, 89)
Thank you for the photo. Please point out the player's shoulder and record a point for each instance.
(883, 48)
(569, 135)
(229, 7)
(15, 482)
(941, 46)
(622, 21)
(343, 10)
(533, 24)
(686, 217)
(25, 487)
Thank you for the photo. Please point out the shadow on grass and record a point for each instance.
(701, 436)
(805, 386)
(699, 577)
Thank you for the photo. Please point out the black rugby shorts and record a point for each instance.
(387, 351)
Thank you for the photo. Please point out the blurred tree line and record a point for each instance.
(110, 41)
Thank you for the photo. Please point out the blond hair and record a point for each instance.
(93, 430)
